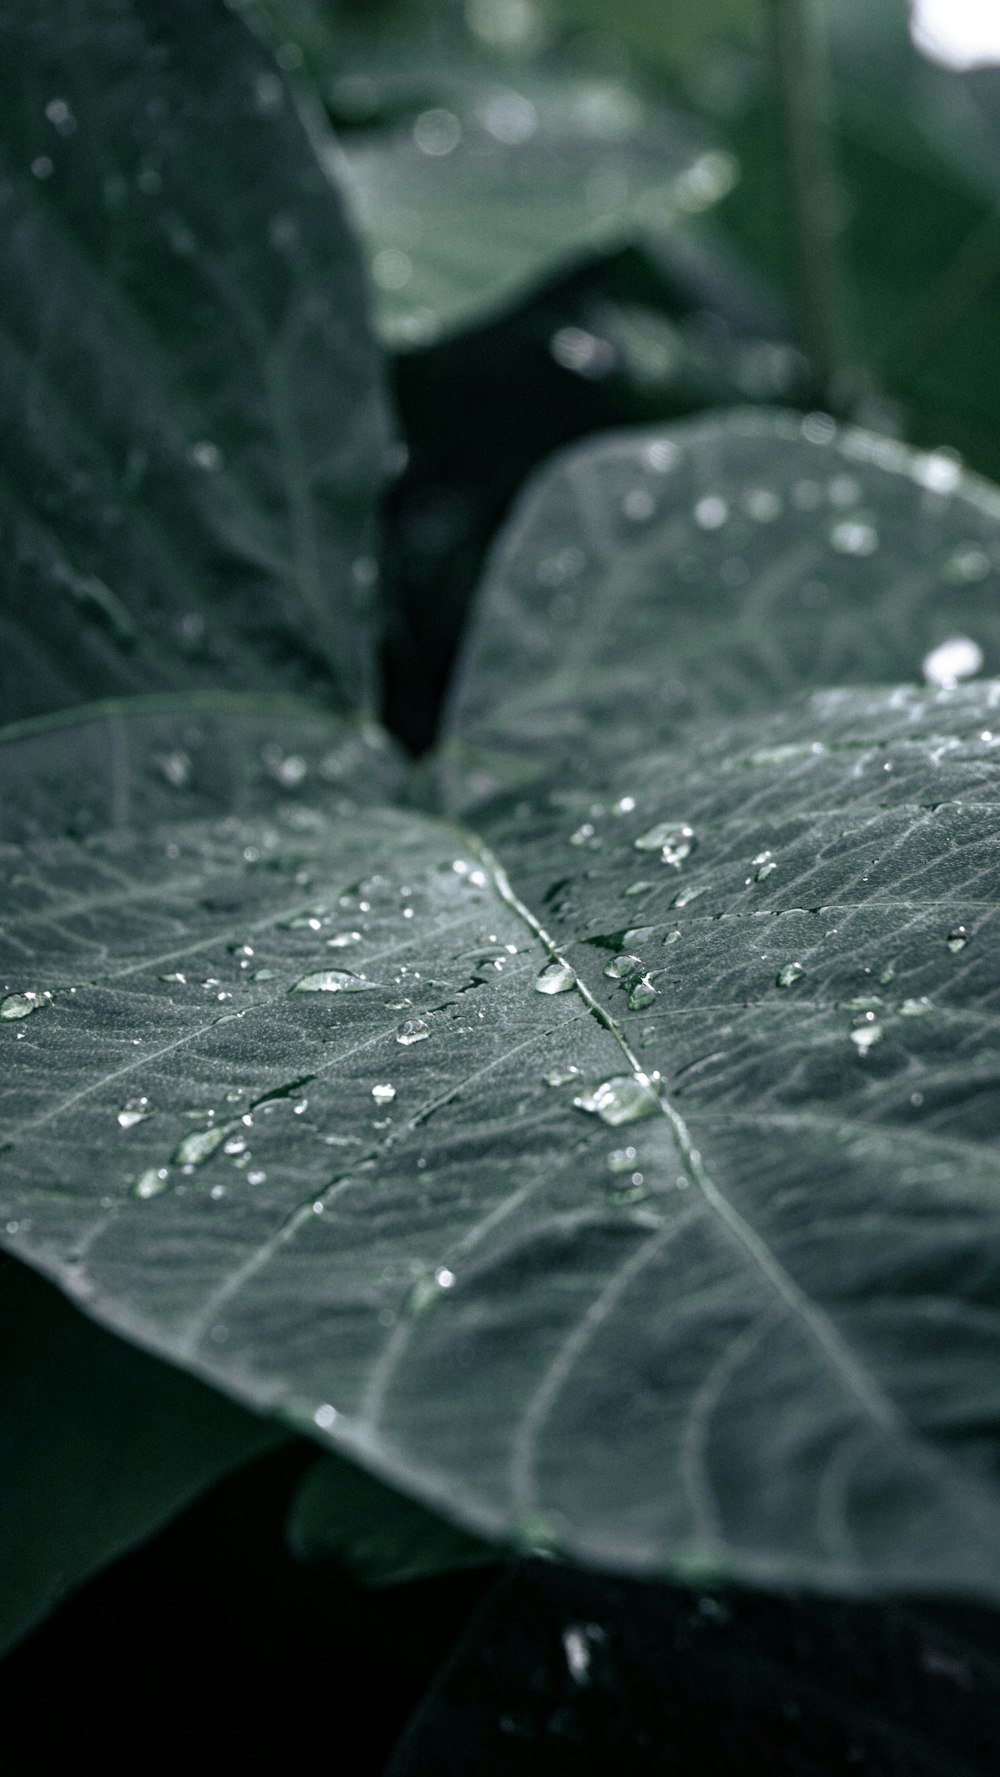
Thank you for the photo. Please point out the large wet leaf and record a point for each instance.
(483, 158)
(649, 580)
(99, 1446)
(193, 433)
(634, 1193)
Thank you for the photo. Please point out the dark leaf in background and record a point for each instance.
(562, 1673)
(99, 1446)
(194, 438)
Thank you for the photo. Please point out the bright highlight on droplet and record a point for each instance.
(958, 658)
(957, 33)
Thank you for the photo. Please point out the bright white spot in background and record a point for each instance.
(958, 658)
(957, 33)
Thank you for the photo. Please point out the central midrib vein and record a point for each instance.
(877, 1407)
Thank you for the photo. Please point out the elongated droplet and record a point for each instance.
(201, 1144)
(641, 995)
(789, 974)
(561, 1076)
(133, 1111)
(623, 968)
(151, 1182)
(330, 981)
(21, 1005)
(412, 1030)
(917, 1008)
(556, 977)
(674, 840)
(625, 1098)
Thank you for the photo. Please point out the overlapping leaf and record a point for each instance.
(648, 581)
(482, 159)
(193, 432)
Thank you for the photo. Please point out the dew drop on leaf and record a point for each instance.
(413, 1030)
(21, 1005)
(622, 968)
(200, 1145)
(133, 1111)
(561, 1076)
(151, 1182)
(555, 977)
(625, 1098)
(956, 940)
(383, 1094)
(330, 981)
(789, 974)
(674, 841)
(641, 995)
(958, 658)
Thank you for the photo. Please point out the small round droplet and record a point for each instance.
(956, 940)
(413, 1030)
(866, 1033)
(854, 536)
(325, 1416)
(555, 977)
(383, 1094)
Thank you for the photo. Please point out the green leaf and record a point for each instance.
(650, 579)
(383, 1538)
(684, 1264)
(480, 166)
(99, 1446)
(194, 434)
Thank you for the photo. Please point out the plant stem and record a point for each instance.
(814, 197)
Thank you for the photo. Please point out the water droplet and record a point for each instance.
(686, 896)
(789, 974)
(200, 1145)
(621, 1159)
(437, 132)
(866, 1033)
(958, 658)
(672, 937)
(151, 1182)
(854, 536)
(674, 841)
(325, 1416)
(576, 1642)
(917, 1008)
(625, 1098)
(763, 864)
(956, 940)
(641, 995)
(428, 1290)
(623, 968)
(205, 455)
(711, 513)
(42, 167)
(21, 1005)
(383, 1094)
(561, 1076)
(176, 768)
(330, 981)
(133, 1111)
(342, 940)
(412, 1030)
(555, 977)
